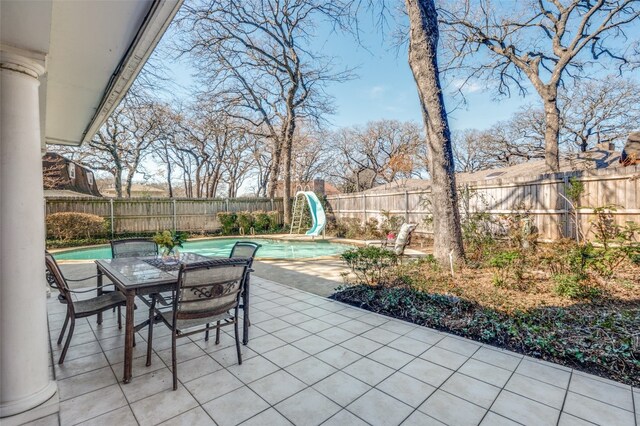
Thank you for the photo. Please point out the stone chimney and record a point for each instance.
(318, 186)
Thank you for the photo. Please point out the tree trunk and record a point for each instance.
(423, 42)
(552, 132)
(274, 172)
(286, 171)
(118, 182)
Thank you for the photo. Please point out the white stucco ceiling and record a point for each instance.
(94, 50)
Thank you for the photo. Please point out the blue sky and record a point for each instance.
(384, 85)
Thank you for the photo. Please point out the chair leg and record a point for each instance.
(66, 344)
(235, 326)
(218, 332)
(206, 334)
(119, 318)
(150, 336)
(64, 327)
(174, 364)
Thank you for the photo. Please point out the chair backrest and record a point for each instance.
(55, 277)
(134, 247)
(210, 288)
(244, 249)
(404, 237)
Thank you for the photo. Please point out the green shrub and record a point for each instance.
(228, 221)
(70, 225)
(370, 264)
(244, 221)
(508, 268)
(274, 220)
(390, 223)
(351, 227)
(261, 221)
(573, 286)
(371, 229)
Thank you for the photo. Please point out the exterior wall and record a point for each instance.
(56, 171)
(540, 196)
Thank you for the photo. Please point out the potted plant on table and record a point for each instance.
(170, 241)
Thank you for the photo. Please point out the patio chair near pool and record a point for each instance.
(206, 293)
(400, 243)
(79, 308)
(246, 249)
(133, 247)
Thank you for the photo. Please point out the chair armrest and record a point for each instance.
(81, 279)
(82, 291)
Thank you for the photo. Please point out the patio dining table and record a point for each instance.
(139, 276)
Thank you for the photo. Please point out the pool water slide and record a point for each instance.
(318, 217)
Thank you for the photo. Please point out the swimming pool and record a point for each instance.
(275, 249)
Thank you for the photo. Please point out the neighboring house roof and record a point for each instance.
(62, 174)
(137, 189)
(63, 193)
(597, 158)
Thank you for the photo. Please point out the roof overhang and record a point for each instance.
(94, 51)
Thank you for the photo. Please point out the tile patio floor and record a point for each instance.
(314, 361)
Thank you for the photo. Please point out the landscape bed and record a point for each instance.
(589, 320)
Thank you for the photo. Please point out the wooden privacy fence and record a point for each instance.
(541, 197)
(139, 215)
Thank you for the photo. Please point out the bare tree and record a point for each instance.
(423, 43)
(467, 153)
(256, 57)
(376, 153)
(312, 157)
(121, 144)
(542, 42)
(596, 112)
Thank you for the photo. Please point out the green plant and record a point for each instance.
(519, 228)
(370, 229)
(228, 221)
(508, 268)
(71, 225)
(274, 220)
(350, 227)
(390, 222)
(170, 239)
(261, 221)
(605, 228)
(244, 221)
(573, 286)
(370, 264)
(574, 190)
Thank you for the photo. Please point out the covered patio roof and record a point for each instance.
(64, 67)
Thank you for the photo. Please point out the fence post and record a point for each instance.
(565, 213)
(226, 204)
(406, 206)
(364, 206)
(113, 225)
(272, 205)
(175, 220)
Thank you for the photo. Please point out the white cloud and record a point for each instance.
(376, 92)
(466, 86)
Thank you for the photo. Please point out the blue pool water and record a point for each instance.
(277, 249)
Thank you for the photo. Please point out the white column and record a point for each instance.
(24, 373)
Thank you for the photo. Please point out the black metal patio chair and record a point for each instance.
(245, 249)
(79, 308)
(206, 293)
(133, 247)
